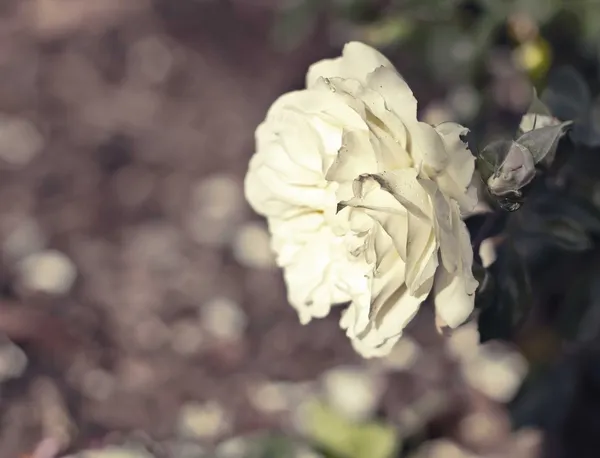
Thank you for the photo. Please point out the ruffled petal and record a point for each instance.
(355, 157)
(393, 309)
(356, 62)
(389, 134)
(397, 94)
(320, 275)
(428, 150)
(453, 304)
(454, 292)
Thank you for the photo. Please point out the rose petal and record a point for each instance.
(321, 276)
(357, 61)
(456, 179)
(452, 302)
(385, 330)
(398, 96)
(355, 157)
(428, 149)
(382, 122)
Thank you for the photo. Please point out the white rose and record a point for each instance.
(364, 201)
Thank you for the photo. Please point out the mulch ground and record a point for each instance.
(128, 108)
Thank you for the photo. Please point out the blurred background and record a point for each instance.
(141, 313)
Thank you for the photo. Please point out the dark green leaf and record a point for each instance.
(545, 397)
(272, 446)
(575, 305)
(567, 94)
(511, 296)
(587, 130)
(563, 221)
(567, 234)
(491, 158)
(589, 328)
(345, 439)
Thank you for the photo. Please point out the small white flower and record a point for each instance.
(531, 121)
(363, 201)
(538, 115)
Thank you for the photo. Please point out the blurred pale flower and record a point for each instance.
(353, 392)
(495, 370)
(363, 201)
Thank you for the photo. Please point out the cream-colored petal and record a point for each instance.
(324, 69)
(390, 215)
(411, 230)
(421, 256)
(297, 137)
(455, 292)
(466, 252)
(386, 328)
(345, 90)
(272, 153)
(270, 195)
(428, 150)
(398, 202)
(404, 186)
(453, 304)
(389, 151)
(448, 242)
(291, 235)
(421, 243)
(354, 158)
(382, 289)
(457, 177)
(382, 122)
(320, 103)
(320, 275)
(397, 94)
(356, 62)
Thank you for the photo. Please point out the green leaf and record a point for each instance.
(491, 157)
(589, 327)
(563, 221)
(567, 94)
(545, 398)
(576, 304)
(509, 300)
(543, 142)
(274, 446)
(567, 234)
(345, 439)
(587, 130)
